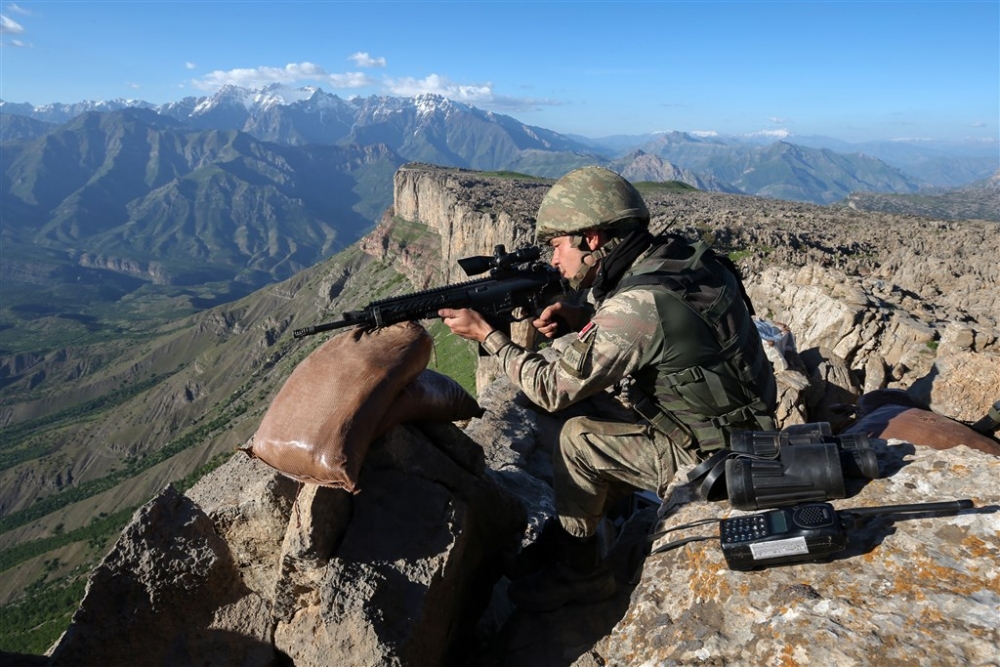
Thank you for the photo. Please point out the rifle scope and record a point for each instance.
(500, 261)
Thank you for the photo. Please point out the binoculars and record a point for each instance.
(799, 464)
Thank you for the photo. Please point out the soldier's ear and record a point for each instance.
(594, 238)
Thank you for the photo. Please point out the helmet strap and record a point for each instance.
(590, 259)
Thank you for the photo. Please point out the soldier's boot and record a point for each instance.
(578, 575)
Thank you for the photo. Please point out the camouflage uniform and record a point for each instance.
(700, 365)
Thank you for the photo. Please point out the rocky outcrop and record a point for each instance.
(952, 366)
(154, 272)
(962, 385)
(907, 588)
(251, 568)
(471, 212)
(686, 606)
(171, 589)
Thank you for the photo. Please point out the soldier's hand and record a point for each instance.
(465, 323)
(559, 319)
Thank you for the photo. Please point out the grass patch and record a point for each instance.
(514, 175)
(405, 232)
(739, 255)
(454, 356)
(57, 501)
(32, 625)
(98, 534)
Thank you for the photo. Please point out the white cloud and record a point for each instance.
(439, 85)
(190, 65)
(777, 121)
(480, 95)
(17, 9)
(362, 59)
(20, 43)
(290, 74)
(512, 104)
(10, 27)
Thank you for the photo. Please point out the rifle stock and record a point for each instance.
(516, 280)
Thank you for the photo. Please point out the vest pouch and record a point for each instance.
(712, 405)
(706, 391)
(662, 420)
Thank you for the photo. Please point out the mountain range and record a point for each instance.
(131, 213)
(430, 128)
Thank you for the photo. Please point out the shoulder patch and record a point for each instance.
(574, 357)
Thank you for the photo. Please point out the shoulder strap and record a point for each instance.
(727, 262)
(670, 280)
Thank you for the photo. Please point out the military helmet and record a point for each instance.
(589, 198)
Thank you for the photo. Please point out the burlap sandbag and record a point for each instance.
(319, 426)
(431, 397)
(921, 427)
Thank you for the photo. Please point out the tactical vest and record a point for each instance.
(735, 390)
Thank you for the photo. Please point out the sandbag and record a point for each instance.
(921, 427)
(323, 419)
(431, 397)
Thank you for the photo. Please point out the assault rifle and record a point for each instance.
(516, 280)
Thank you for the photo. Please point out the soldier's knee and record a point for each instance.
(572, 437)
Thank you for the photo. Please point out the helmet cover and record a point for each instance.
(589, 198)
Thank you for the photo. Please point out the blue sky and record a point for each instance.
(856, 71)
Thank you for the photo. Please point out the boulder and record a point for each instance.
(961, 385)
(909, 587)
(414, 567)
(270, 571)
(171, 593)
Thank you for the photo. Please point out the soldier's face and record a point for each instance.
(566, 257)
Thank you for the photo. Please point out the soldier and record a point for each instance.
(670, 316)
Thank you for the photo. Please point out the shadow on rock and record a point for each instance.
(557, 638)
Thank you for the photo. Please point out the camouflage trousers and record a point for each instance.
(598, 460)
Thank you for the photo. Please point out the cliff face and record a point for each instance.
(251, 565)
(470, 212)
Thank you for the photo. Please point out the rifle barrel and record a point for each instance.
(320, 328)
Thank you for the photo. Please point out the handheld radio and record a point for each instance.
(807, 532)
